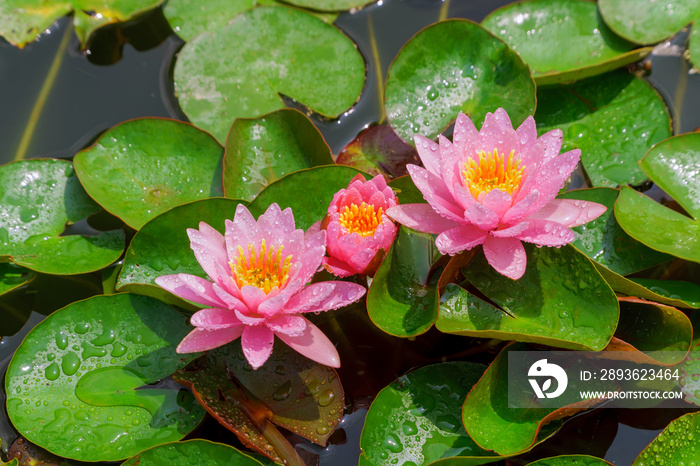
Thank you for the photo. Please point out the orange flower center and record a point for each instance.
(264, 268)
(362, 220)
(492, 171)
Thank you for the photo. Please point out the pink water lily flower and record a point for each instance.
(358, 232)
(495, 187)
(260, 272)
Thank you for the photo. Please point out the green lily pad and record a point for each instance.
(269, 51)
(22, 21)
(657, 226)
(571, 460)
(190, 452)
(561, 301)
(605, 242)
(73, 384)
(648, 21)
(262, 150)
(308, 192)
(379, 151)
(677, 444)
(38, 199)
(600, 116)
(653, 327)
(141, 168)
(694, 46)
(289, 390)
(403, 298)
(331, 5)
(450, 67)
(417, 419)
(12, 276)
(406, 190)
(673, 293)
(492, 424)
(690, 376)
(162, 247)
(585, 46)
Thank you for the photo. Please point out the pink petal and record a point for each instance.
(420, 217)
(242, 231)
(314, 345)
(527, 132)
(506, 255)
(252, 296)
(497, 201)
(324, 296)
(292, 326)
(248, 319)
(515, 230)
(257, 344)
(191, 288)
(361, 259)
(546, 233)
(521, 208)
(429, 153)
(461, 238)
(202, 339)
(231, 298)
(214, 317)
(481, 216)
(570, 212)
(497, 133)
(338, 267)
(211, 254)
(464, 131)
(435, 192)
(550, 178)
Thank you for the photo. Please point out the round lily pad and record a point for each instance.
(78, 383)
(191, 452)
(600, 116)
(21, 21)
(12, 276)
(262, 150)
(585, 46)
(417, 421)
(571, 460)
(268, 51)
(677, 444)
(38, 199)
(150, 256)
(191, 17)
(330, 5)
(450, 67)
(143, 167)
(648, 21)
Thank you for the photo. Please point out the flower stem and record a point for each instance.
(680, 95)
(379, 76)
(443, 9)
(43, 94)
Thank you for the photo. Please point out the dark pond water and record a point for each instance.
(126, 73)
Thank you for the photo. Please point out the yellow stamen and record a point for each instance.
(363, 219)
(493, 171)
(264, 269)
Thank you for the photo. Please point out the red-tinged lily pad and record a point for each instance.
(269, 51)
(162, 247)
(450, 67)
(38, 199)
(191, 452)
(141, 168)
(571, 460)
(262, 150)
(585, 46)
(662, 331)
(379, 151)
(75, 384)
(289, 390)
(605, 242)
(417, 419)
(403, 297)
(561, 301)
(648, 21)
(600, 116)
(28, 454)
(12, 276)
(307, 192)
(677, 444)
(22, 21)
(494, 425)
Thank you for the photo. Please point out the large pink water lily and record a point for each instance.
(260, 272)
(495, 187)
(358, 231)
